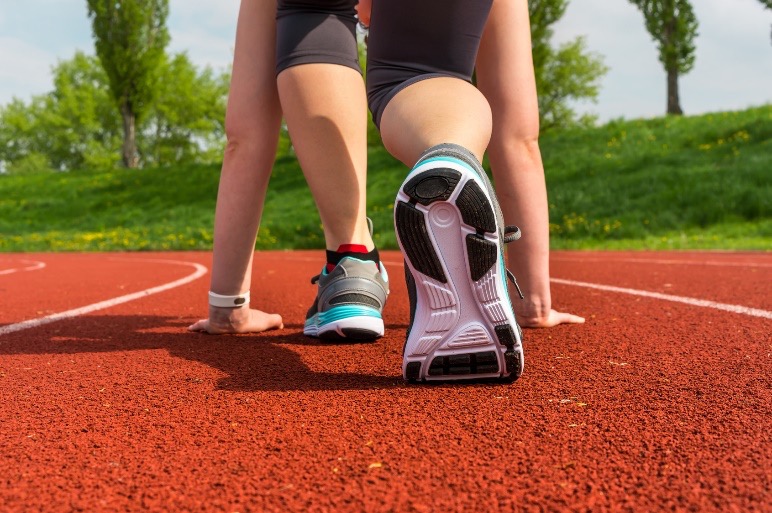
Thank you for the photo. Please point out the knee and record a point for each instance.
(249, 134)
(237, 144)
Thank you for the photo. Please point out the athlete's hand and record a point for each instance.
(553, 318)
(237, 320)
(363, 11)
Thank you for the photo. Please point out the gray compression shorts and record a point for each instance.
(409, 41)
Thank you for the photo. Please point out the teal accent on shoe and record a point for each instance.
(355, 259)
(440, 159)
(338, 313)
(503, 273)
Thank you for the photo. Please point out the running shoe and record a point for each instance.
(450, 229)
(349, 302)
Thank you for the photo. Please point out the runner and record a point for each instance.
(419, 99)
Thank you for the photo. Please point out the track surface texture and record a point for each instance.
(652, 405)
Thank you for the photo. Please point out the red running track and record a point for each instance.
(653, 405)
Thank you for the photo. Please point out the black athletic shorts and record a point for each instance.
(409, 41)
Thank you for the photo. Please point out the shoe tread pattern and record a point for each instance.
(471, 364)
(506, 336)
(482, 255)
(411, 226)
(475, 208)
(435, 185)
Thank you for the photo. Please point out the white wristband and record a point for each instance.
(229, 301)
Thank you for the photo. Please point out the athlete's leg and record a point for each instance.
(448, 222)
(505, 75)
(419, 68)
(326, 113)
(252, 125)
(323, 98)
(434, 111)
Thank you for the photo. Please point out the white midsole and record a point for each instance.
(459, 316)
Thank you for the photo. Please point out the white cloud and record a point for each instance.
(35, 35)
(206, 30)
(38, 33)
(24, 69)
(203, 48)
(734, 57)
(731, 70)
(219, 15)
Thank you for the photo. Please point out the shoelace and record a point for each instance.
(511, 234)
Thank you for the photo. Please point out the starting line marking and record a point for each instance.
(755, 312)
(34, 267)
(33, 323)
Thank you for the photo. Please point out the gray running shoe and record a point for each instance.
(349, 302)
(451, 232)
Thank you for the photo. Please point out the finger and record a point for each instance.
(553, 319)
(199, 325)
(567, 318)
(273, 322)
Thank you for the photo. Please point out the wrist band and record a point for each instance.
(229, 301)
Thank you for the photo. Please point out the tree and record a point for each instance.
(130, 38)
(563, 74)
(673, 26)
(767, 4)
(186, 122)
(74, 126)
(77, 126)
(21, 140)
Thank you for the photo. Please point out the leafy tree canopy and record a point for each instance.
(77, 126)
(564, 74)
(673, 26)
(130, 38)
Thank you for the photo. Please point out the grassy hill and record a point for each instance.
(692, 182)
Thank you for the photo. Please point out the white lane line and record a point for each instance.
(33, 323)
(755, 312)
(34, 267)
(663, 261)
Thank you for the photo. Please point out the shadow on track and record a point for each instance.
(251, 362)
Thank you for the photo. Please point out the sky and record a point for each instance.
(733, 69)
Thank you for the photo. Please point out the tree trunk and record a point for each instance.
(673, 100)
(130, 156)
(671, 63)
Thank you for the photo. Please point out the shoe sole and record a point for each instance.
(464, 327)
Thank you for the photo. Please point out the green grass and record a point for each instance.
(691, 182)
(667, 183)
